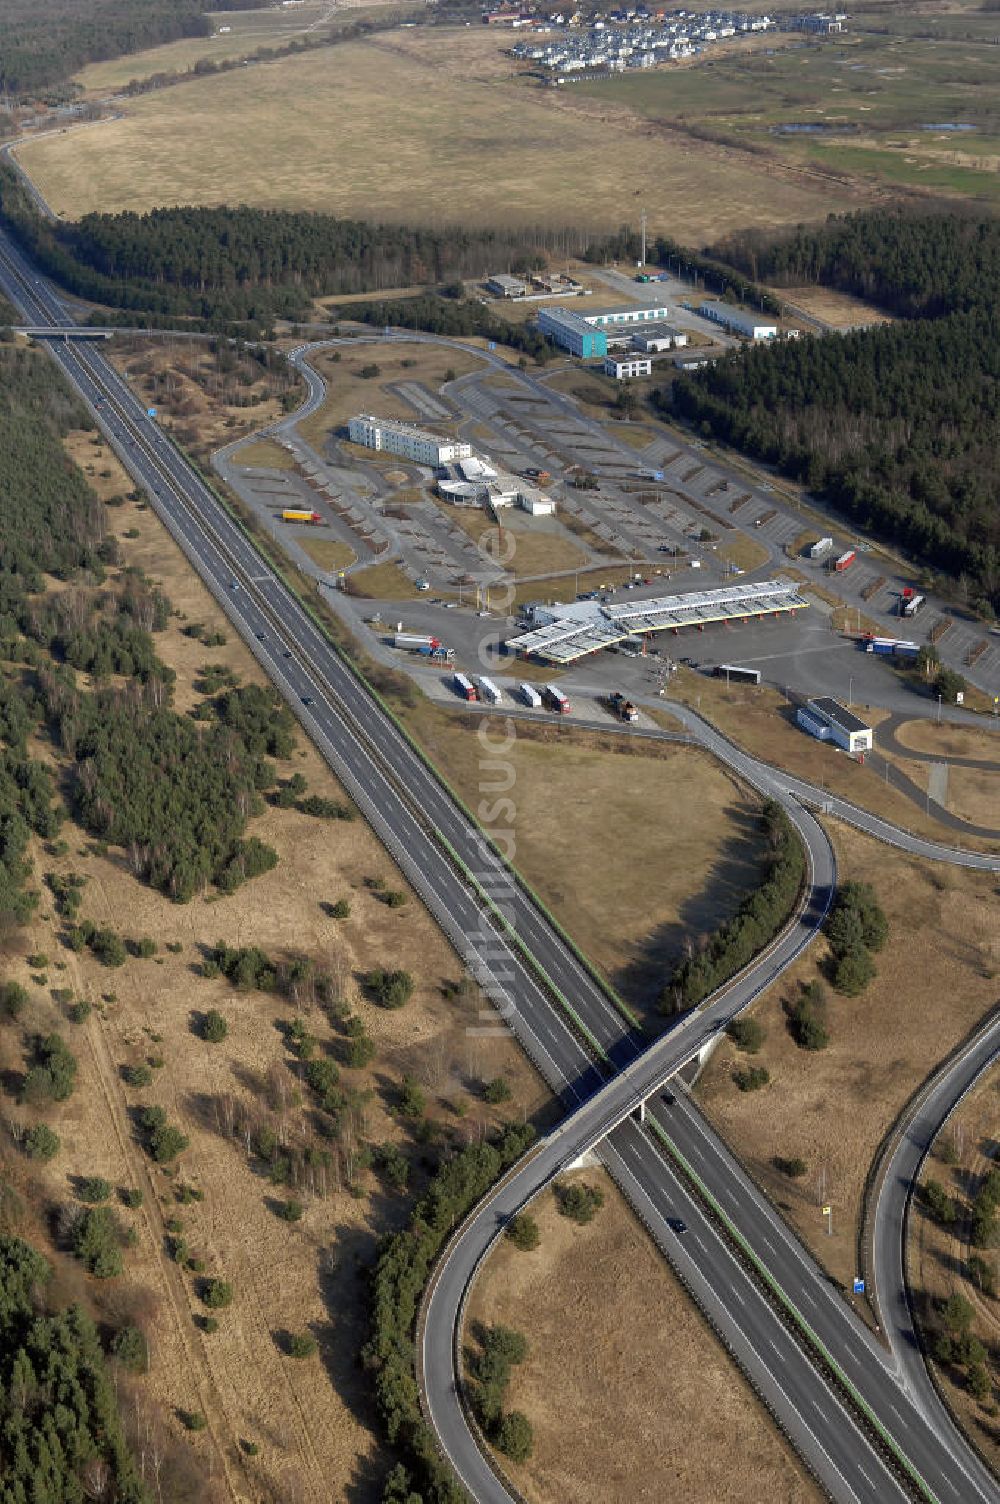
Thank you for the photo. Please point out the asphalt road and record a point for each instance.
(411, 813)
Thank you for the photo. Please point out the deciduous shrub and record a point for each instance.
(579, 1201)
(523, 1232)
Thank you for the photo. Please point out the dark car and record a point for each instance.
(677, 1225)
(307, 699)
(260, 636)
(287, 653)
(670, 1099)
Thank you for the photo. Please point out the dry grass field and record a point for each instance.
(311, 1421)
(672, 844)
(313, 132)
(936, 979)
(349, 393)
(761, 720)
(328, 553)
(945, 740)
(529, 546)
(837, 309)
(631, 1398)
(248, 30)
(265, 454)
(937, 1256)
(383, 582)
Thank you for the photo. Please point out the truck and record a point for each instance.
(621, 707)
(891, 647)
(910, 603)
(541, 476)
(529, 694)
(488, 691)
(464, 688)
(555, 699)
(736, 674)
(437, 653)
(415, 640)
(845, 561)
(292, 514)
(820, 548)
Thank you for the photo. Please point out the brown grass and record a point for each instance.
(275, 136)
(328, 553)
(975, 796)
(535, 547)
(673, 844)
(936, 979)
(311, 1420)
(746, 553)
(838, 309)
(383, 582)
(264, 454)
(349, 394)
(629, 1394)
(945, 740)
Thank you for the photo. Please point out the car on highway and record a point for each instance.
(287, 653)
(234, 584)
(259, 636)
(677, 1225)
(669, 1099)
(307, 699)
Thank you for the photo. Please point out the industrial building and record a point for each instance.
(563, 633)
(661, 337)
(630, 365)
(738, 321)
(572, 332)
(634, 313)
(503, 286)
(404, 439)
(475, 482)
(828, 721)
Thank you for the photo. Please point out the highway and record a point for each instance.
(525, 966)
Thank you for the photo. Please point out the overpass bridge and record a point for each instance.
(63, 331)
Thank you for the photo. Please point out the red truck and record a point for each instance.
(845, 561)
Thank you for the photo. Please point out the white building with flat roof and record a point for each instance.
(622, 367)
(633, 313)
(828, 720)
(738, 321)
(409, 442)
(662, 337)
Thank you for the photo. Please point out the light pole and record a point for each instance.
(939, 710)
(850, 690)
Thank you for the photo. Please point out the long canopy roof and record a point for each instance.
(586, 626)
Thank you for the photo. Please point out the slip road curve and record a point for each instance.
(413, 814)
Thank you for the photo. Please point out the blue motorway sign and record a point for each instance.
(859, 1287)
(492, 345)
(150, 412)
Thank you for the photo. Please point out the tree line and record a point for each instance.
(43, 45)
(404, 1263)
(757, 920)
(61, 1437)
(893, 426)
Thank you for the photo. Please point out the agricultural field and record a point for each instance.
(272, 1426)
(271, 136)
(936, 977)
(600, 1308)
(248, 31)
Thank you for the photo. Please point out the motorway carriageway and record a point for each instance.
(223, 554)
